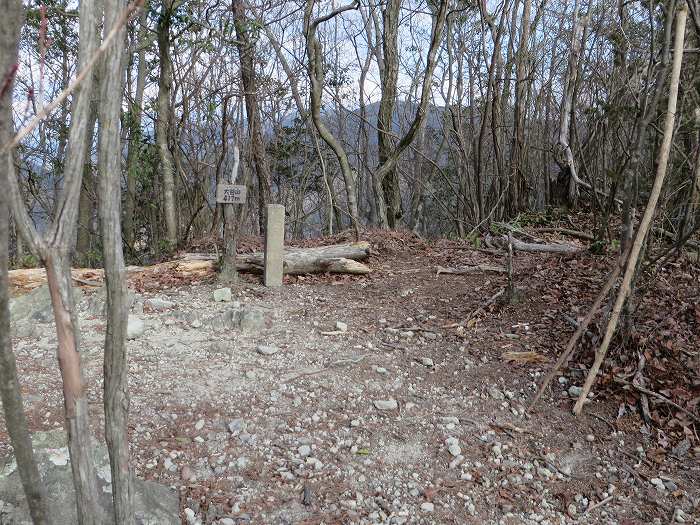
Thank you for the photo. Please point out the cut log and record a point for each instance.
(521, 246)
(339, 258)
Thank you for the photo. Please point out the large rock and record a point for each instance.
(34, 306)
(95, 304)
(248, 318)
(155, 504)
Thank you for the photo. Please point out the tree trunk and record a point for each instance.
(387, 166)
(135, 117)
(385, 117)
(518, 183)
(15, 419)
(315, 70)
(116, 395)
(246, 53)
(571, 178)
(54, 252)
(647, 218)
(164, 121)
(74, 390)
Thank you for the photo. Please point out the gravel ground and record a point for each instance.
(363, 400)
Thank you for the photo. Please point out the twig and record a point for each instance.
(566, 231)
(601, 418)
(658, 396)
(597, 505)
(571, 345)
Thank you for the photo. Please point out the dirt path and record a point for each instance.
(403, 417)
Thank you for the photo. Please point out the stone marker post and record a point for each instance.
(274, 245)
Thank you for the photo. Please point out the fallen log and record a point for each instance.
(502, 241)
(339, 258)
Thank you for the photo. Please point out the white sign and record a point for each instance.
(231, 193)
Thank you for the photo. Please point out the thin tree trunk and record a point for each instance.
(54, 252)
(15, 419)
(164, 120)
(135, 117)
(647, 218)
(116, 395)
(246, 53)
(518, 183)
(387, 166)
(315, 71)
(567, 109)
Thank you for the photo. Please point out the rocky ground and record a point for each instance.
(377, 399)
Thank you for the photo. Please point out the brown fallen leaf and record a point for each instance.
(523, 357)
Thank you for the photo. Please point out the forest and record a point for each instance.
(490, 309)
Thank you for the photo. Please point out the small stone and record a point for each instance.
(237, 426)
(135, 327)
(187, 474)
(670, 485)
(427, 507)
(496, 394)
(266, 349)
(453, 446)
(189, 515)
(658, 483)
(679, 516)
(343, 327)
(575, 391)
(199, 425)
(223, 295)
(157, 304)
(456, 461)
(304, 451)
(386, 404)
(426, 361)
(381, 370)
(590, 438)
(196, 323)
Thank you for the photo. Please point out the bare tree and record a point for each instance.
(315, 70)
(246, 52)
(645, 224)
(164, 121)
(53, 249)
(116, 396)
(15, 419)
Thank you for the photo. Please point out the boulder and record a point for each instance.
(155, 504)
(248, 318)
(34, 306)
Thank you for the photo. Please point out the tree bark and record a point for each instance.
(53, 249)
(315, 70)
(13, 409)
(164, 120)
(246, 53)
(518, 183)
(135, 117)
(116, 395)
(647, 218)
